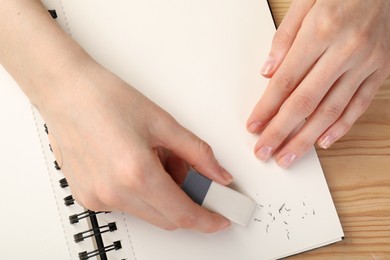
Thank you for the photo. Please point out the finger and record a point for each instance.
(285, 35)
(101, 196)
(130, 204)
(297, 64)
(195, 151)
(169, 199)
(141, 210)
(173, 164)
(301, 104)
(358, 105)
(329, 110)
(177, 168)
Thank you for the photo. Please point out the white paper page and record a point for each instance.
(30, 225)
(199, 60)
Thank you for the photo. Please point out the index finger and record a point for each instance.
(170, 200)
(285, 35)
(298, 62)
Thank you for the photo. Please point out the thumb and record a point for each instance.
(194, 151)
(285, 35)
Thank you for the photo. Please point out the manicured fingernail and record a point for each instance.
(226, 175)
(267, 67)
(327, 141)
(225, 225)
(286, 160)
(254, 126)
(264, 153)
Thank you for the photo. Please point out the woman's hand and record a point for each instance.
(122, 152)
(327, 61)
(119, 151)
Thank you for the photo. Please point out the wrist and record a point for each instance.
(59, 82)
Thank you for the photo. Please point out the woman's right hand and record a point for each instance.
(120, 151)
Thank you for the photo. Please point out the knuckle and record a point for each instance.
(131, 175)
(165, 121)
(323, 31)
(282, 38)
(361, 37)
(90, 202)
(350, 47)
(343, 126)
(284, 82)
(205, 149)
(135, 181)
(205, 152)
(362, 103)
(106, 195)
(358, 40)
(276, 135)
(185, 221)
(332, 112)
(325, 24)
(374, 60)
(303, 104)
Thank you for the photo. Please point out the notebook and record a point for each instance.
(199, 60)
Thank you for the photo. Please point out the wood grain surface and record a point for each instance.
(357, 169)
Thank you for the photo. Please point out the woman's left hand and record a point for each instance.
(327, 61)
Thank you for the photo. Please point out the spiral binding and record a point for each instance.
(110, 227)
(88, 213)
(69, 200)
(96, 231)
(99, 252)
(63, 183)
(53, 13)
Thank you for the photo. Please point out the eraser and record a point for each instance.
(220, 199)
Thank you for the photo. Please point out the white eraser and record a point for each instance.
(220, 199)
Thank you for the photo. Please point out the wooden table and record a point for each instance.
(357, 169)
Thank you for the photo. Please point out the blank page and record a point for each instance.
(200, 61)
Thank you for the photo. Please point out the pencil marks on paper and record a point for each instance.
(280, 218)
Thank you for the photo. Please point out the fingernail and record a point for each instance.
(254, 126)
(327, 141)
(286, 160)
(225, 225)
(268, 66)
(264, 153)
(226, 175)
